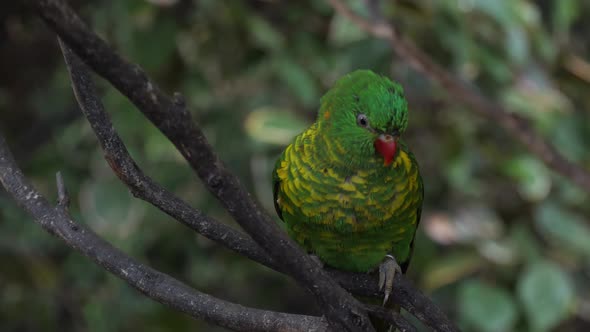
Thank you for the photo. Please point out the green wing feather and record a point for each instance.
(276, 181)
(404, 265)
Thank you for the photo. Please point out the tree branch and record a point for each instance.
(396, 320)
(343, 311)
(154, 284)
(141, 185)
(145, 188)
(517, 126)
(171, 116)
(404, 294)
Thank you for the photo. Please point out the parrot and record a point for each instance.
(347, 188)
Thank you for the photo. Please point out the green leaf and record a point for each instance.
(523, 243)
(564, 14)
(459, 172)
(273, 126)
(564, 228)
(342, 31)
(546, 294)
(568, 132)
(154, 55)
(500, 11)
(534, 180)
(299, 80)
(517, 43)
(450, 268)
(487, 308)
(264, 34)
(108, 201)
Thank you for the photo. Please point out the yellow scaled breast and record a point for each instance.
(350, 218)
(355, 200)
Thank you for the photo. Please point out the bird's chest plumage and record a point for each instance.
(349, 217)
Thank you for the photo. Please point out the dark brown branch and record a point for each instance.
(517, 126)
(132, 77)
(404, 293)
(392, 317)
(141, 185)
(154, 284)
(145, 188)
(343, 311)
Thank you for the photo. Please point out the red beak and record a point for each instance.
(386, 145)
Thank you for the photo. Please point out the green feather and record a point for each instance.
(333, 191)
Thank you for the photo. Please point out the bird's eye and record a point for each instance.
(362, 120)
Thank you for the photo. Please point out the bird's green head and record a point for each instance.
(363, 116)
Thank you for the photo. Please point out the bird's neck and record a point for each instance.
(330, 152)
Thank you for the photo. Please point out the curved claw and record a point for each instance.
(387, 270)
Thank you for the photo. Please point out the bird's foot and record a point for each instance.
(387, 270)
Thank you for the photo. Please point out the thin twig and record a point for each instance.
(154, 284)
(519, 127)
(63, 197)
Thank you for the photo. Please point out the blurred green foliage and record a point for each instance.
(504, 243)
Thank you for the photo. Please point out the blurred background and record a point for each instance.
(504, 243)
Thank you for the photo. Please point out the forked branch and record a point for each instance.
(152, 283)
(269, 246)
(145, 188)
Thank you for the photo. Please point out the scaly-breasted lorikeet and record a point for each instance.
(348, 188)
